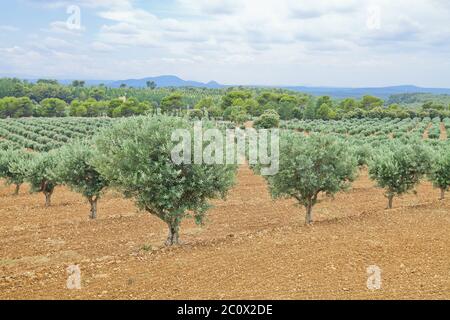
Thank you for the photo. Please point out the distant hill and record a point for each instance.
(164, 81)
(383, 92)
(161, 82)
(335, 92)
(68, 82)
(418, 99)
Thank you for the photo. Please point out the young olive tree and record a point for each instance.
(135, 155)
(312, 165)
(440, 170)
(8, 161)
(75, 169)
(399, 167)
(363, 153)
(39, 173)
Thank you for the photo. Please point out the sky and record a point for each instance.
(339, 43)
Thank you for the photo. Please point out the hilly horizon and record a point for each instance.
(165, 81)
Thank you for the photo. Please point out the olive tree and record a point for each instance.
(309, 166)
(39, 173)
(75, 169)
(135, 155)
(363, 153)
(8, 160)
(440, 170)
(398, 167)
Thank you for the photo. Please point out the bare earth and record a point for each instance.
(250, 248)
(443, 132)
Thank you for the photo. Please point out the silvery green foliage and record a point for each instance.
(8, 162)
(310, 166)
(76, 170)
(363, 153)
(135, 156)
(440, 170)
(39, 173)
(398, 167)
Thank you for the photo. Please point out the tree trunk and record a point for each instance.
(390, 201)
(442, 194)
(93, 203)
(48, 199)
(173, 237)
(16, 192)
(309, 218)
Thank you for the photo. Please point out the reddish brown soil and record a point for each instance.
(248, 124)
(427, 132)
(443, 132)
(251, 247)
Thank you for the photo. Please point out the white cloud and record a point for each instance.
(82, 3)
(101, 47)
(9, 29)
(62, 28)
(212, 7)
(261, 41)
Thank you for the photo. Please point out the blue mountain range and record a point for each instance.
(164, 81)
(335, 92)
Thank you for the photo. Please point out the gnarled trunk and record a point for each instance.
(173, 237)
(309, 218)
(93, 202)
(390, 201)
(47, 189)
(48, 199)
(16, 191)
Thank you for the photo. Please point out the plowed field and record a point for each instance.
(251, 247)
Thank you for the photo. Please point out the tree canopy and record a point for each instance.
(136, 157)
(440, 170)
(76, 170)
(9, 159)
(309, 166)
(399, 167)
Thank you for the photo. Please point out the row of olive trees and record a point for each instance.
(398, 167)
(319, 164)
(45, 171)
(135, 157)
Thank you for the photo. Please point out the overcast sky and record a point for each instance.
(266, 42)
